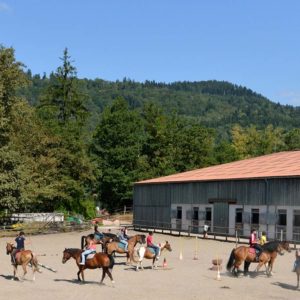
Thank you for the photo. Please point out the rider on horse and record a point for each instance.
(20, 240)
(254, 244)
(90, 248)
(123, 237)
(98, 235)
(150, 244)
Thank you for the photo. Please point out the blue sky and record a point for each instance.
(251, 43)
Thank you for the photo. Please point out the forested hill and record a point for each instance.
(216, 104)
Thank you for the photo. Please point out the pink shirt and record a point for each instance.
(92, 246)
(253, 239)
(149, 240)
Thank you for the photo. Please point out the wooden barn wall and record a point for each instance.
(152, 202)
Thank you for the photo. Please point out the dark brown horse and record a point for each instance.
(99, 260)
(145, 252)
(100, 239)
(117, 247)
(23, 258)
(246, 254)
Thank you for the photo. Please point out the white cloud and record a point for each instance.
(4, 7)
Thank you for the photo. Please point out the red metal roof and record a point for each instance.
(282, 164)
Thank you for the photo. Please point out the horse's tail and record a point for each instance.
(230, 261)
(34, 263)
(83, 241)
(111, 261)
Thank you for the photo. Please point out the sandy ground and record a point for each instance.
(182, 279)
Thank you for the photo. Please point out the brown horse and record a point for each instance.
(117, 247)
(23, 258)
(145, 252)
(99, 260)
(246, 254)
(99, 238)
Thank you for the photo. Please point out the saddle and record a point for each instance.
(151, 250)
(256, 252)
(121, 245)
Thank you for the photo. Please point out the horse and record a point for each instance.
(107, 237)
(247, 254)
(273, 248)
(149, 253)
(119, 247)
(23, 258)
(99, 260)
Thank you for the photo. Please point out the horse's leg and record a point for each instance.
(24, 270)
(260, 264)
(271, 267)
(82, 274)
(298, 278)
(103, 274)
(78, 273)
(110, 276)
(153, 262)
(246, 267)
(15, 272)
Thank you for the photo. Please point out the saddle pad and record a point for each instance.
(252, 250)
(151, 250)
(121, 245)
(91, 255)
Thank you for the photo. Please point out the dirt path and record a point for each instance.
(182, 279)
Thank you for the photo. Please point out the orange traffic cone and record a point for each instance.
(164, 263)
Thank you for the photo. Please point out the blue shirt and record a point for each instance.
(20, 242)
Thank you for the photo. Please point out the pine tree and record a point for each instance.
(117, 146)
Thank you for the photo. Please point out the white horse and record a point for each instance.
(148, 252)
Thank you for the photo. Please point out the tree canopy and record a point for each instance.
(68, 143)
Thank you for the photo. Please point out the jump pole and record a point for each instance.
(47, 267)
(180, 253)
(218, 272)
(196, 249)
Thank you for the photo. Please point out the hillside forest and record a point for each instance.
(68, 143)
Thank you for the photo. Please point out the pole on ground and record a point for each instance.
(196, 249)
(218, 271)
(180, 253)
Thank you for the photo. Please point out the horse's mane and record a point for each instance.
(73, 250)
(271, 246)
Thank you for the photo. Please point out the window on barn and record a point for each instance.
(297, 218)
(281, 217)
(296, 227)
(208, 214)
(179, 213)
(255, 216)
(238, 215)
(196, 213)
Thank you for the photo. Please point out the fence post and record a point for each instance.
(281, 235)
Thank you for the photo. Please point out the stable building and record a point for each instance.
(261, 193)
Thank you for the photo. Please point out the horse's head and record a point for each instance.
(9, 248)
(168, 246)
(143, 239)
(66, 256)
(140, 238)
(284, 246)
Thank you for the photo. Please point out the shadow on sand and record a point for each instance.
(75, 281)
(286, 286)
